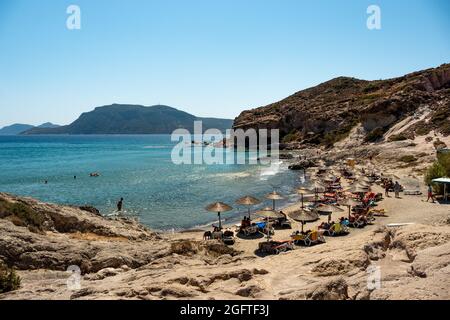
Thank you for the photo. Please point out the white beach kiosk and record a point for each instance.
(445, 181)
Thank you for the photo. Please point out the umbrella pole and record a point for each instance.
(302, 201)
(249, 213)
(302, 226)
(220, 222)
(273, 204)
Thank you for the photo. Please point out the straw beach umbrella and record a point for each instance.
(248, 201)
(361, 183)
(269, 213)
(349, 202)
(303, 192)
(303, 216)
(356, 189)
(329, 209)
(274, 196)
(218, 207)
(318, 188)
(363, 179)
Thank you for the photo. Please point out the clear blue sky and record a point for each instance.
(207, 57)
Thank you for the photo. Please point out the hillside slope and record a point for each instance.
(326, 114)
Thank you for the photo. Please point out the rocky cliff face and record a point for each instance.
(325, 114)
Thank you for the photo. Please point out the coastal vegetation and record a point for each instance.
(398, 137)
(9, 280)
(440, 168)
(408, 158)
(21, 215)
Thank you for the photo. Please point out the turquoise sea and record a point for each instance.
(138, 168)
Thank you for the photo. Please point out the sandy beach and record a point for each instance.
(128, 261)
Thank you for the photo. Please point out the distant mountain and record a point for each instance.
(48, 125)
(19, 128)
(133, 119)
(14, 129)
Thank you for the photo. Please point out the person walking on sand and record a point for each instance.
(430, 193)
(397, 189)
(120, 204)
(386, 189)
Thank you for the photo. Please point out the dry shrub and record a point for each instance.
(219, 249)
(9, 280)
(184, 247)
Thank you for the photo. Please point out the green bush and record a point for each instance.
(371, 87)
(184, 247)
(440, 119)
(422, 131)
(9, 280)
(444, 160)
(438, 169)
(440, 115)
(331, 137)
(445, 128)
(408, 158)
(22, 215)
(290, 137)
(397, 137)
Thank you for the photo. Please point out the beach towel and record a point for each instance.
(261, 225)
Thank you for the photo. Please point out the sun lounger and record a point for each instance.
(412, 192)
(265, 228)
(286, 224)
(378, 212)
(358, 221)
(275, 247)
(228, 237)
(336, 229)
(249, 231)
(308, 238)
(282, 224)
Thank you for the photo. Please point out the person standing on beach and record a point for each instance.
(386, 189)
(397, 189)
(430, 193)
(120, 204)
